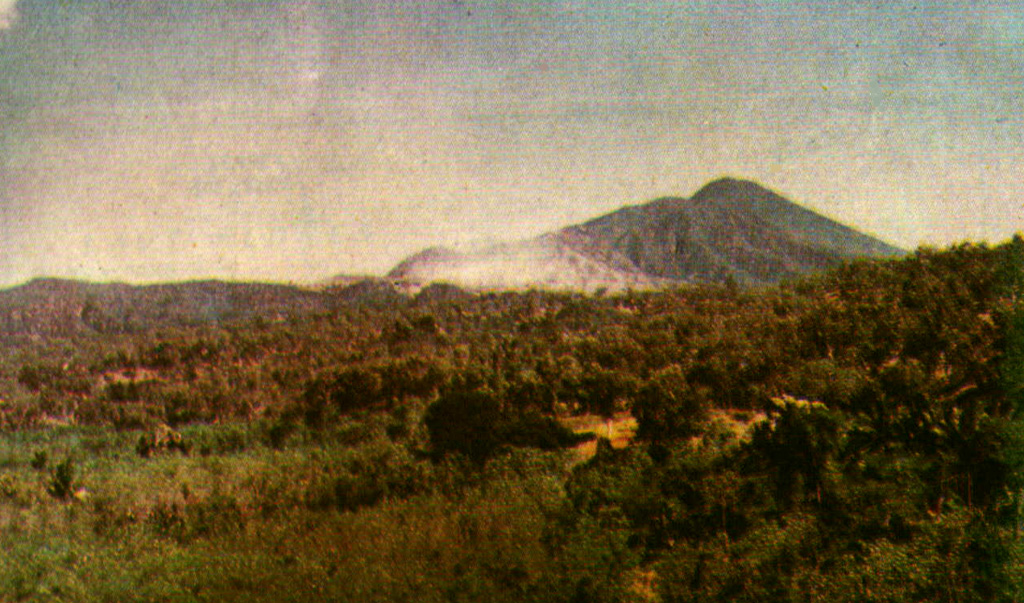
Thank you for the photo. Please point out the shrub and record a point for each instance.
(162, 438)
(214, 515)
(61, 485)
(8, 487)
(278, 431)
(110, 515)
(39, 460)
(474, 423)
(342, 392)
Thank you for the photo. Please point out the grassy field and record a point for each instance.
(619, 430)
(238, 520)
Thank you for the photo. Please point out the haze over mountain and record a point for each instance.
(728, 229)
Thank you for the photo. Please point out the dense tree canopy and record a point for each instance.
(852, 436)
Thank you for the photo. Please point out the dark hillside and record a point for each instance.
(58, 307)
(729, 228)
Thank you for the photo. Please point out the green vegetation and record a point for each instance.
(854, 436)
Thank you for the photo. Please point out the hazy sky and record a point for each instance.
(146, 140)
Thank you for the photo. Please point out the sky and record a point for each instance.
(291, 140)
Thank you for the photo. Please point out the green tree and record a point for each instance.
(667, 407)
(465, 420)
(798, 442)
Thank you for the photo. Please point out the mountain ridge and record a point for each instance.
(63, 307)
(729, 229)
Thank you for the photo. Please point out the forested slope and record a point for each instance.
(853, 436)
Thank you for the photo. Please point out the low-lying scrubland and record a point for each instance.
(328, 518)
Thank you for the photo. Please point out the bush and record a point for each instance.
(39, 460)
(163, 438)
(342, 392)
(110, 515)
(474, 423)
(61, 485)
(8, 487)
(214, 515)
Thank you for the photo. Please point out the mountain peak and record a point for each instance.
(729, 228)
(734, 189)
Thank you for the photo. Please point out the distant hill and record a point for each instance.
(61, 308)
(728, 229)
